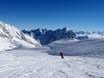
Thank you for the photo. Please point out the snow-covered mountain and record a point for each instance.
(11, 37)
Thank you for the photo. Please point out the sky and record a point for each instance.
(87, 15)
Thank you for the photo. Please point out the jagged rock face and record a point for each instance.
(15, 38)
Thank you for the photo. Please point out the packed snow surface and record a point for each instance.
(37, 63)
(11, 37)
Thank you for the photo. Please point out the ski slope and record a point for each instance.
(38, 64)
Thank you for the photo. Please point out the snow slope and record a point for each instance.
(84, 47)
(11, 37)
(38, 64)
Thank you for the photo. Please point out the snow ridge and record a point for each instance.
(11, 37)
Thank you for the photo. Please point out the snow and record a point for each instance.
(81, 35)
(84, 47)
(11, 37)
(23, 57)
(6, 44)
(37, 63)
(65, 41)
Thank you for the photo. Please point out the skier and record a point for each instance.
(61, 54)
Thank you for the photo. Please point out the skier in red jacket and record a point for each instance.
(61, 54)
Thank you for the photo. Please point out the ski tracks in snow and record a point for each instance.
(34, 67)
(47, 66)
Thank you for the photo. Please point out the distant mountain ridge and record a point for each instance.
(46, 36)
